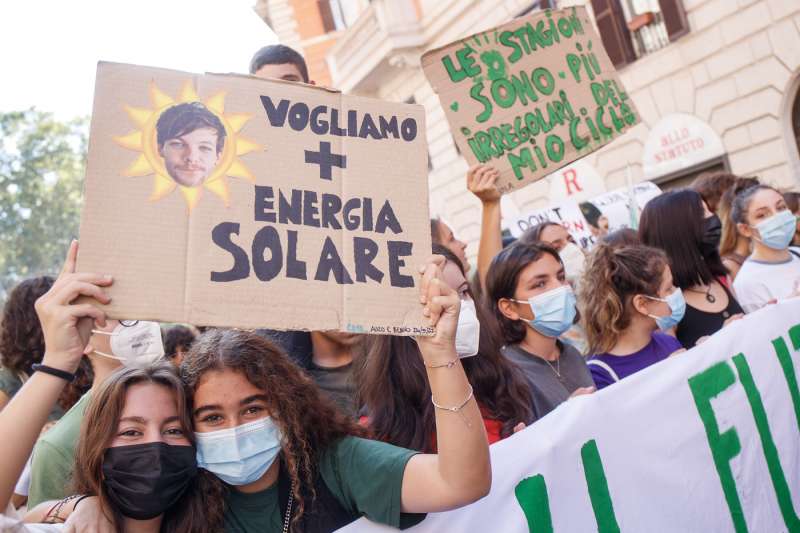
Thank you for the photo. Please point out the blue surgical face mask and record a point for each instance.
(778, 230)
(553, 311)
(677, 306)
(239, 455)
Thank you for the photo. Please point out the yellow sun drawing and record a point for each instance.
(143, 140)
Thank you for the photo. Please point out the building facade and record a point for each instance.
(716, 83)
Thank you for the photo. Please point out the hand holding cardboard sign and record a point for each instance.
(67, 325)
(441, 308)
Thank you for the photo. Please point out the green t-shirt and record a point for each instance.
(54, 456)
(369, 482)
(10, 383)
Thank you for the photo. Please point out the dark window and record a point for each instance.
(332, 15)
(631, 29)
(325, 11)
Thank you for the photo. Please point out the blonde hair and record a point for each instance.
(613, 276)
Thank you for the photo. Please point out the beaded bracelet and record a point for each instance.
(458, 408)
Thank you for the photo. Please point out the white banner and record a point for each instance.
(705, 441)
(615, 206)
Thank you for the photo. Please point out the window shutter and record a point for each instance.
(613, 31)
(328, 24)
(674, 18)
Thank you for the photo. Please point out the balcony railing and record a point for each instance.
(383, 36)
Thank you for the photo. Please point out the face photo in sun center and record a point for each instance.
(190, 139)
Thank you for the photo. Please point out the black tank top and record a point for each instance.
(325, 514)
(697, 324)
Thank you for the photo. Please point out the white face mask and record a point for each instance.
(137, 345)
(468, 332)
(574, 261)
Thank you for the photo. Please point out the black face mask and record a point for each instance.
(712, 235)
(144, 480)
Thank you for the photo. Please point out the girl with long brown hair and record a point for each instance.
(135, 449)
(626, 296)
(534, 305)
(390, 377)
(289, 460)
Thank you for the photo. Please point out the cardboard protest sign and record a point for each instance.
(232, 201)
(531, 95)
(702, 441)
(611, 210)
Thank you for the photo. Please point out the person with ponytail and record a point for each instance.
(628, 301)
(534, 305)
(772, 271)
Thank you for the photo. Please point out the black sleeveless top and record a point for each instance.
(697, 324)
(324, 515)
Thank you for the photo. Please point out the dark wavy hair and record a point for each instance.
(502, 279)
(395, 395)
(673, 222)
(177, 337)
(184, 118)
(308, 422)
(21, 337)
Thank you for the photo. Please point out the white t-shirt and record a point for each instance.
(758, 282)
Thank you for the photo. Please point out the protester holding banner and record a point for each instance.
(772, 272)
(395, 394)
(138, 417)
(679, 223)
(627, 302)
(534, 304)
(734, 247)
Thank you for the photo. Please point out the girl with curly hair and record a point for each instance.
(626, 297)
(289, 459)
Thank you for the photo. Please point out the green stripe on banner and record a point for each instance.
(598, 489)
(531, 494)
(782, 351)
(706, 385)
(768, 443)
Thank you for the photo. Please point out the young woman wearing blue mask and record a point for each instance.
(626, 297)
(680, 224)
(772, 271)
(135, 453)
(533, 303)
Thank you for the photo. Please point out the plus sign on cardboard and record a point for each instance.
(226, 200)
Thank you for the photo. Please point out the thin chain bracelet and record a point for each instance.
(449, 364)
(458, 408)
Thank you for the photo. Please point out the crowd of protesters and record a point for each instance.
(228, 430)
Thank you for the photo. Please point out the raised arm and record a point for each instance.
(481, 181)
(66, 330)
(461, 472)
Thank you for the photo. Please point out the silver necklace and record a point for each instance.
(288, 516)
(556, 369)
